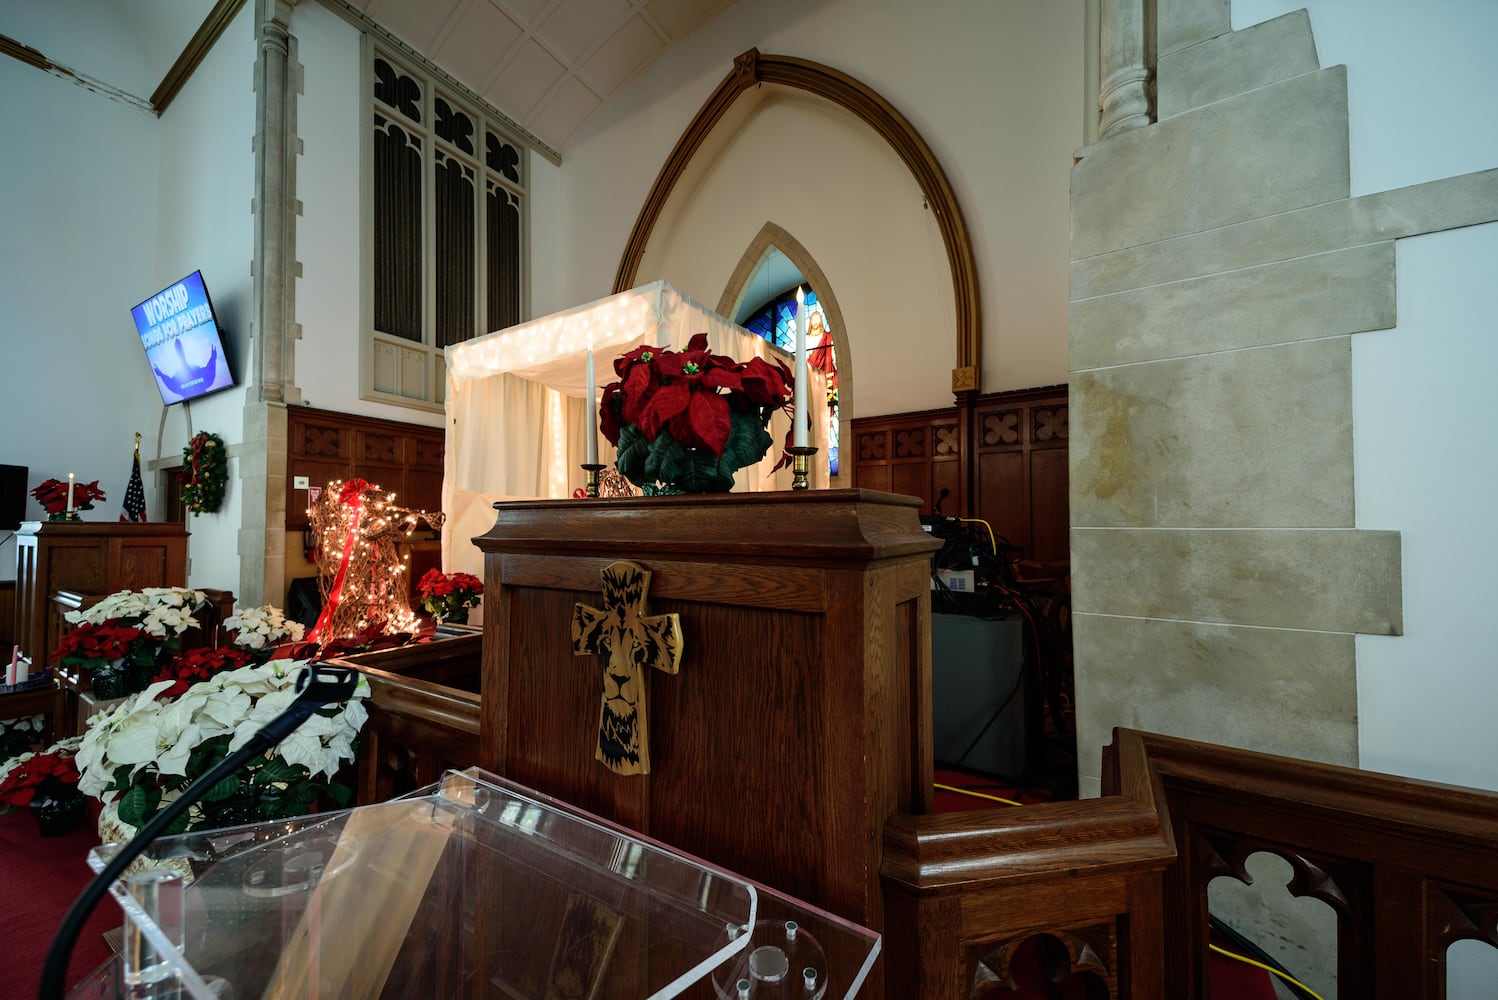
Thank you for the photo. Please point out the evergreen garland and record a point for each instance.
(205, 472)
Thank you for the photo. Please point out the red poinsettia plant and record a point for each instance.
(448, 596)
(53, 495)
(21, 777)
(196, 665)
(88, 644)
(371, 638)
(690, 418)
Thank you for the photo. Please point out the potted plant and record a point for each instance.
(62, 500)
(686, 421)
(47, 784)
(143, 752)
(448, 596)
(124, 639)
(260, 630)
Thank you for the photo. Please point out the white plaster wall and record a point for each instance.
(52, 28)
(328, 295)
(204, 185)
(1420, 85)
(771, 169)
(77, 200)
(993, 87)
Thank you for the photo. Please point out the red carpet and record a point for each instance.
(39, 879)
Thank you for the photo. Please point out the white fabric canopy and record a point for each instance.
(517, 418)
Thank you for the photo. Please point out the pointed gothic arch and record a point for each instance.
(772, 236)
(752, 68)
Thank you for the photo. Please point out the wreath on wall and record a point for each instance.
(205, 471)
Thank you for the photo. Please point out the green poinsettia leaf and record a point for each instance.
(222, 790)
(747, 441)
(275, 770)
(633, 451)
(207, 754)
(178, 825)
(302, 795)
(664, 461)
(341, 795)
(136, 806)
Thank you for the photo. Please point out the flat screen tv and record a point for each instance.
(183, 341)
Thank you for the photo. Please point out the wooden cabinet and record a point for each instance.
(322, 445)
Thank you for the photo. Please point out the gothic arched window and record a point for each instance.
(775, 320)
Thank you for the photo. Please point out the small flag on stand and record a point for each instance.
(135, 493)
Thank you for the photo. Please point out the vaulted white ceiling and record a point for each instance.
(548, 64)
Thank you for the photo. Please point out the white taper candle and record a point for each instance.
(800, 415)
(592, 402)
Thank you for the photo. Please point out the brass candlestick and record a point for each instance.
(800, 465)
(592, 486)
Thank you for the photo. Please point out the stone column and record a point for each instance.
(1123, 94)
(275, 331)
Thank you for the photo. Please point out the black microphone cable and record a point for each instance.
(319, 685)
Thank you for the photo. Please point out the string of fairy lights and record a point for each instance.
(361, 569)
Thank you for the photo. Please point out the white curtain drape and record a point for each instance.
(517, 416)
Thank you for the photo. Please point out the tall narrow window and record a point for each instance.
(446, 255)
(775, 321)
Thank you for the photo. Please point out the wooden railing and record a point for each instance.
(1118, 885)
(423, 714)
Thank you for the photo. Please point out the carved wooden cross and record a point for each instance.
(630, 641)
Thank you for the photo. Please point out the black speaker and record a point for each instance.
(12, 496)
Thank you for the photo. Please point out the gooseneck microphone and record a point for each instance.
(318, 685)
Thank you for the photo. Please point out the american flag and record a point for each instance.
(135, 493)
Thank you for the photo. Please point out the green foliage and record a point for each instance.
(693, 470)
(265, 788)
(205, 472)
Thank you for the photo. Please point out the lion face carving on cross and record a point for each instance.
(630, 642)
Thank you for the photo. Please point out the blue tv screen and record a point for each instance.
(183, 342)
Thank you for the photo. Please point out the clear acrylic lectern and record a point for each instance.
(473, 887)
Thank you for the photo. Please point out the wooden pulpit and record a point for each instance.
(88, 557)
(799, 718)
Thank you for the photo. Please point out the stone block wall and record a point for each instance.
(1219, 270)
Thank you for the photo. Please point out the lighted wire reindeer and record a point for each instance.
(630, 642)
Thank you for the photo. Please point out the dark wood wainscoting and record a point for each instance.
(1001, 457)
(324, 445)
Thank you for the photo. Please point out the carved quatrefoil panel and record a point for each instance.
(871, 447)
(1001, 427)
(381, 448)
(910, 443)
(946, 439)
(320, 441)
(1050, 424)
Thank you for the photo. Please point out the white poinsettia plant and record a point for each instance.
(144, 752)
(257, 628)
(155, 610)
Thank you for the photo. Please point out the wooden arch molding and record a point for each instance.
(753, 68)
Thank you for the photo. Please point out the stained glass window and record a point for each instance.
(775, 321)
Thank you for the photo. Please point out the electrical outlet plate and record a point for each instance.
(300, 482)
